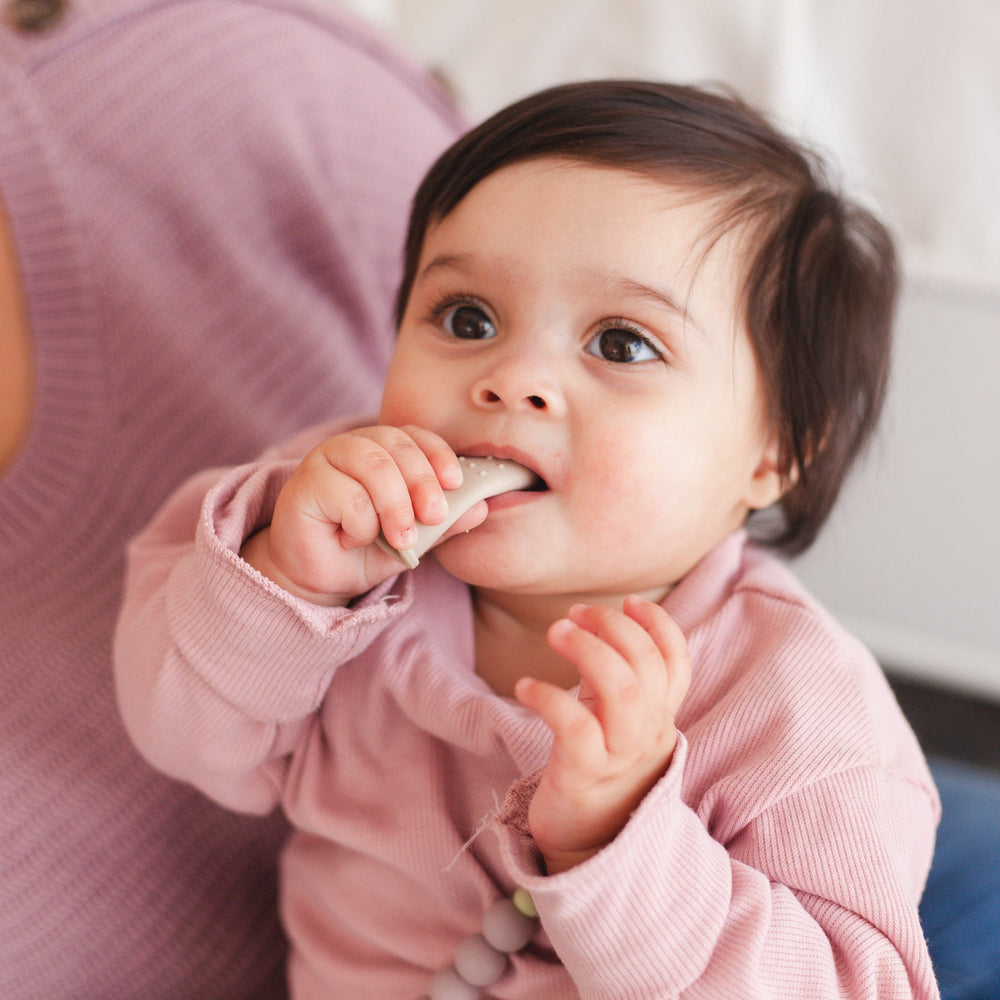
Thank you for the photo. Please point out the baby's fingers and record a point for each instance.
(578, 741)
(606, 647)
(633, 667)
(671, 643)
(393, 478)
(350, 483)
(429, 467)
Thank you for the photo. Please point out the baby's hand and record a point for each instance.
(319, 543)
(613, 743)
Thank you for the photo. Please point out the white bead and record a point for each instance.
(478, 963)
(449, 985)
(506, 928)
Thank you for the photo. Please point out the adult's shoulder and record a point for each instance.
(222, 30)
(250, 52)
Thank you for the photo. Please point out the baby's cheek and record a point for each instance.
(617, 498)
(401, 403)
(623, 473)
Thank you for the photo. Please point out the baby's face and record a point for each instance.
(567, 317)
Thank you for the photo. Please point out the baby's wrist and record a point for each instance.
(557, 862)
(255, 553)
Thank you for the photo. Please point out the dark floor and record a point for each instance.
(950, 724)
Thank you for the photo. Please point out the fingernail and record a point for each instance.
(408, 538)
(561, 626)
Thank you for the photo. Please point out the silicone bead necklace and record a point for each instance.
(481, 959)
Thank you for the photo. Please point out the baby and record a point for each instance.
(597, 687)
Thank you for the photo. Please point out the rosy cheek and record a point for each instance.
(400, 402)
(612, 488)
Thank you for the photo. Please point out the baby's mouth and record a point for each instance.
(483, 477)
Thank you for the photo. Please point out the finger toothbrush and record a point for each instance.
(481, 478)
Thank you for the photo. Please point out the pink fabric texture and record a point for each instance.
(208, 201)
(781, 855)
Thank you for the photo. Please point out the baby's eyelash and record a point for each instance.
(621, 323)
(441, 304)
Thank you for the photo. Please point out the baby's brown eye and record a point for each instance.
(621, 345)
(468, 322)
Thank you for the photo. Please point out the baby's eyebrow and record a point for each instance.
(447, 262)
(659, 297)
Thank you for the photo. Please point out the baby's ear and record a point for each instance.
(770, 481)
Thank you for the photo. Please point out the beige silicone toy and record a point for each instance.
(482, 478)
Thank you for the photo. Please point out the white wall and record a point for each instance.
(911, 559)
(905, 96)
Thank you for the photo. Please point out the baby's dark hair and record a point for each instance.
(820, 276)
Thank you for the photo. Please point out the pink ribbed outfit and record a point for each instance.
(781, 855)
(208, 200)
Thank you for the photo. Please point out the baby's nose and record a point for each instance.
(489, 397)
(519, 384)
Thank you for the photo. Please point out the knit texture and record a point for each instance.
(208, 200)
(782, 854)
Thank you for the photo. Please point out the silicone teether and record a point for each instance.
(482, 478)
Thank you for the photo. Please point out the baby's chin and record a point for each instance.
(474, 563)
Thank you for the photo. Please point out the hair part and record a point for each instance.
(819, 280)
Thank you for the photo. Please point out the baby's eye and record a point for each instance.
(468, 322)
(622, 345)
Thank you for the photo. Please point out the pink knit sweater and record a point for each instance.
(208, 200)
(782, 855)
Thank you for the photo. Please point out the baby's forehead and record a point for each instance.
(565, 180)
(594, 197)
(710, 211)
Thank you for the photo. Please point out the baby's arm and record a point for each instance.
(809, 902)
(793, 872)
(220, 669)
(198, 633)
(613, 742)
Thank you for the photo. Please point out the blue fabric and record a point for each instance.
(960, 909)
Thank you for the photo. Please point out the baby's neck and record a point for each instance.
(510, 641)
(510, 635)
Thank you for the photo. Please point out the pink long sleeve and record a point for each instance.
(782, 855)
(794, 834)
(218, 690)
(762, 882)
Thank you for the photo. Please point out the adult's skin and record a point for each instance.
(202, 206)
(15, 353)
